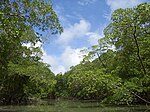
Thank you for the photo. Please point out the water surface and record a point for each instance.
(73, 106)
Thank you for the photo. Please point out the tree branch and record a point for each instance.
(138, 50)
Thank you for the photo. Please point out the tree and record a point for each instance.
(117, 70)
(96, 51)
(17, 18)
(129, 32)
(19, 63)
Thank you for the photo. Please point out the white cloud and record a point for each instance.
(86, 2)
(60, 13)
(28, 45)
(115, 4)
(75, 31)
(49, 59)
(70, 57)
(93, 38)
(53, 61)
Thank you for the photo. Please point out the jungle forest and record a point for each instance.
(116, 71)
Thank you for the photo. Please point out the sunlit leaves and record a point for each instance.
(123, 53)
(91, 84)
(19, 55)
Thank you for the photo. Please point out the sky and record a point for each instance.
(83, 22)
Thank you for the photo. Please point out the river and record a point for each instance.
(73, 106)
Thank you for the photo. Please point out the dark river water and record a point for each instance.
(73, 106)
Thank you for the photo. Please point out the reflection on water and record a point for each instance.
(73, 106)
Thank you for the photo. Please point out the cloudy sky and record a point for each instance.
(83, 22)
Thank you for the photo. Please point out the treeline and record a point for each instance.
(117, 70)
(23, 75)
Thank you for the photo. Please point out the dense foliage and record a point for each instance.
(117, 71)
(22, 73)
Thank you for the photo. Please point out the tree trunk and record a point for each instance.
(138, 50)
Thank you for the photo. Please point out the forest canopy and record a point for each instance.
(116, 71)
(120, 70)
(22, 73)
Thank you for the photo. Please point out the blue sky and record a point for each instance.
(83, 22)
